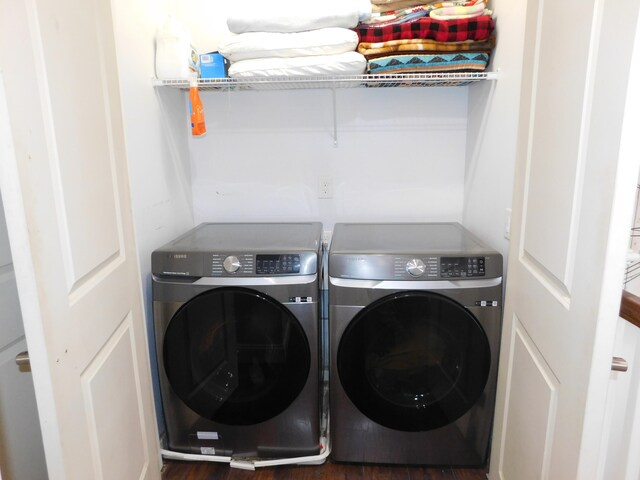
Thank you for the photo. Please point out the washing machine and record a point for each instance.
(236, 317)
(414, 321)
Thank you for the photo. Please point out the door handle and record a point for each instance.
(22, 360)
(619, 364)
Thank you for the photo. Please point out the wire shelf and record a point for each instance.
(340, 81)
(632, 270)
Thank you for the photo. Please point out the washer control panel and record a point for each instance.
(456, 267)
(277, 264)
(261, 264)
(235, 264)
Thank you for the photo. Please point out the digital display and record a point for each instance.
(277, 264)
(454, 267)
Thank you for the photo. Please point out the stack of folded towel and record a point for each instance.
(293, 38)
(409, 36)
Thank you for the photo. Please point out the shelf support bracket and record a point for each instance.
(335, 117)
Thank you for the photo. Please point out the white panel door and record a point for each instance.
(64, 182)
(572, 203)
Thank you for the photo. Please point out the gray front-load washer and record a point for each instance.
(236, 316)
(414, 321)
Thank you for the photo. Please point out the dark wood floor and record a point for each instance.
(175, 470)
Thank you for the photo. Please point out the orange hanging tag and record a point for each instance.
(198, 127)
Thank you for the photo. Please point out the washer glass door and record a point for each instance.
(414, 361)
(236, 356)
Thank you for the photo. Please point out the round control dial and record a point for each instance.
(415, 267)
(231, 264)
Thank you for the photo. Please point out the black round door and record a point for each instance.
(236, 356)
(414, 361)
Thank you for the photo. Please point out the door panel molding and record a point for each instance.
(556, 147)
(92, 279)
(553, 285)
(532, 402)
(98, 380)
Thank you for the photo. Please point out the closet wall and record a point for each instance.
(492, 132)
(156, 143)
(155, 130)
(399, 155)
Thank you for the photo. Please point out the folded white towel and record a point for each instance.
(349, 63)
(294, 15)
(324, 41)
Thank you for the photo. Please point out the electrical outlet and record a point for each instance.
(325, 187)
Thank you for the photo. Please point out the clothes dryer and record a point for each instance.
(415, 321)
(236, 315)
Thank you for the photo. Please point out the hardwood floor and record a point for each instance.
(176, 470)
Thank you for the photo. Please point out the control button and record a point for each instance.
(231, 264)
(415, 267)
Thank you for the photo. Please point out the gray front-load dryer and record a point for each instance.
(236, 314)
(415, 319)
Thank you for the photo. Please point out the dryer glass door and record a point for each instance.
(236, 356)
(414, 361)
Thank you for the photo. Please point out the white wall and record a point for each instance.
(493, 123)
(155, 123)
(399, 155)
(206, 21)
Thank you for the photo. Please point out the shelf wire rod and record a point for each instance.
(631, 278)
(633, 267)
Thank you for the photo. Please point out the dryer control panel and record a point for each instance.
(277, 264)
(456, 267)
(262, 264)
(233, 264)
(415, 267)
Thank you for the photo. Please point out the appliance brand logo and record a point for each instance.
(178, 256)
(355, 259)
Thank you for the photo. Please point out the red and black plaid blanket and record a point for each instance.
(477, 28)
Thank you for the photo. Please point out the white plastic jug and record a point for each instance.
(175, 57)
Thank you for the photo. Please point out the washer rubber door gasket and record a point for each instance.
(414, 361)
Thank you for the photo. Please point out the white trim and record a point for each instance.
(247, 464)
